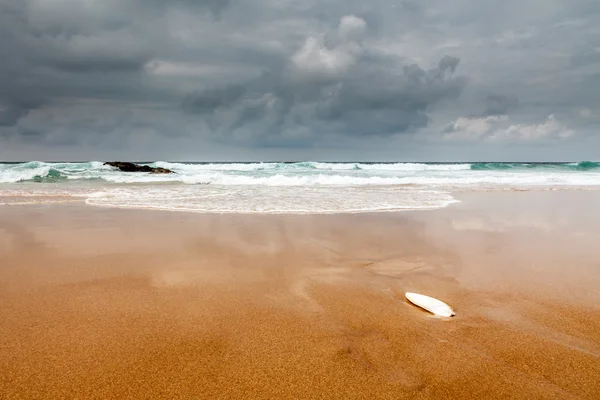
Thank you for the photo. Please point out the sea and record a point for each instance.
(283, 187)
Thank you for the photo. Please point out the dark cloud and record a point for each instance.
(334, 88)
(380, 103)
(496, 104)
(68, 18)
(105, 63)
(17, 106)
(10, 113)
(209, 100)
(217, 7)
(256, 73)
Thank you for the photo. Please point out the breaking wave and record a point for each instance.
(580, 166)
(275, 187)
(313, 173)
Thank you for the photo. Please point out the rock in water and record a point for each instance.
(131, 167)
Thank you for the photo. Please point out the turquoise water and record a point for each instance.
(276, 187)
(580, 166)
(312, 173)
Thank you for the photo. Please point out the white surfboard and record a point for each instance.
(430, 304)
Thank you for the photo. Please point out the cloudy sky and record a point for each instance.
(300, 80)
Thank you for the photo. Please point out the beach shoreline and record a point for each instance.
(105, 303)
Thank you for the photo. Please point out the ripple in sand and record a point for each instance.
(399, 268)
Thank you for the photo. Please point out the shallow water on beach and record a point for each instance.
(110, 303)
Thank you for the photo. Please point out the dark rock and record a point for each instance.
(131, 167)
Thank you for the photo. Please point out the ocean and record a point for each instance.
(282, 187)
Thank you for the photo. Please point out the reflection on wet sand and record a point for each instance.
(137, 304)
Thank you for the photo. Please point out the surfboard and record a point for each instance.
(434, 306)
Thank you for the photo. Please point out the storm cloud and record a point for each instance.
(251, 78)
(328, 88)
(500, 105)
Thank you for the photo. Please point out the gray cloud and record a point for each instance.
(328, 86)
(210, 100)
(12, 111)
(257, 74)
(380, 103)
(496, 104)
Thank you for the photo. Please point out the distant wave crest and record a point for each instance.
(586, 165)
(272, 187)
(580, 166)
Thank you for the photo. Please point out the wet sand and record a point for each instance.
(106, 303)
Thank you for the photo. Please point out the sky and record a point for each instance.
(397, 80)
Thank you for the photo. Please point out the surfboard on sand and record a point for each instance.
(430, 304)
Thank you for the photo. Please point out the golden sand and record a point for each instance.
(99, 303)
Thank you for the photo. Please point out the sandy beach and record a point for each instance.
(110, 303)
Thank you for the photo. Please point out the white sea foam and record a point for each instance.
(216, 167)
(311, 165)
(304, 187)
(305, 174)
(21, 174)
(466, 179)
(270, 200)
(415, 167)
